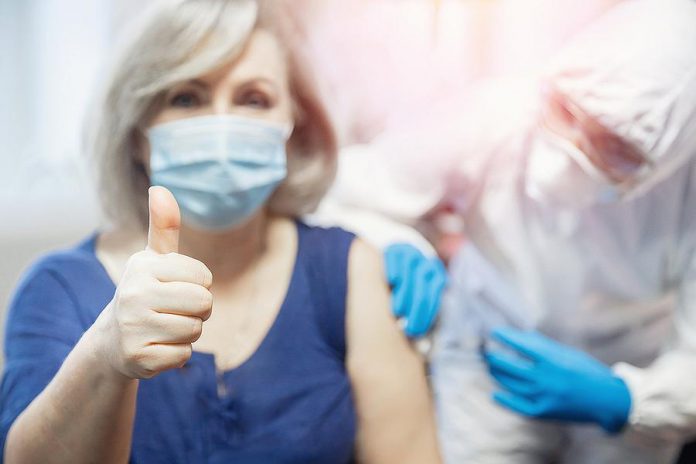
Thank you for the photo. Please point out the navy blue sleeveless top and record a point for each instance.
(290, 402)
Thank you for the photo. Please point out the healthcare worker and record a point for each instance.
(582, 228)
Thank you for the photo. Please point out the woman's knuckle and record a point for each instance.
(183, 355)
(206, 277)
(206, 300)
(197, 328)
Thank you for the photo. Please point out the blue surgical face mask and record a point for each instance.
(221, 169)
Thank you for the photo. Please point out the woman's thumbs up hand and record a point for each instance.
(161, 301)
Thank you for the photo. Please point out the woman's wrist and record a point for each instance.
(97, 342)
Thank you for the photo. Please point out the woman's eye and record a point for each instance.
(255, 99)
(185, 100)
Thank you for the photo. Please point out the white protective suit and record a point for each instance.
(617, 280)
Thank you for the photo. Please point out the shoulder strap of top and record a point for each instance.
(326, 261)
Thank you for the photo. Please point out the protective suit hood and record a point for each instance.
(634, 70)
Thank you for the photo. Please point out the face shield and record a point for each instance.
(575, 161)
(619, 110)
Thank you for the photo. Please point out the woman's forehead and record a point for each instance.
(262, 58)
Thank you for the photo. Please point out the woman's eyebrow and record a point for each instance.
(258, 80)
(198, 82)
(189, 82)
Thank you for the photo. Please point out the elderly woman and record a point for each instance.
(281, 347)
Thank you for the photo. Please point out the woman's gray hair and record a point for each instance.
(178, 40)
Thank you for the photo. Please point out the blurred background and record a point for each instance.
(386, 63)
(51, 53)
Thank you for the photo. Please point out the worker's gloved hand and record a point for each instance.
(417, 284)
(548, 380)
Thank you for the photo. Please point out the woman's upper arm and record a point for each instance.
(395, 413)
(42, 327)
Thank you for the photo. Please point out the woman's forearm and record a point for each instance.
(84, 415)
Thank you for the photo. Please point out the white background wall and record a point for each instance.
(51, 52)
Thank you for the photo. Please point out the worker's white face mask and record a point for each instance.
(560, 174)
(221, 169)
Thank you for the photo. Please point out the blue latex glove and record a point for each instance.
(548, 380)
(417, 284)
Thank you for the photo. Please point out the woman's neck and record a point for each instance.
(228, 253)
